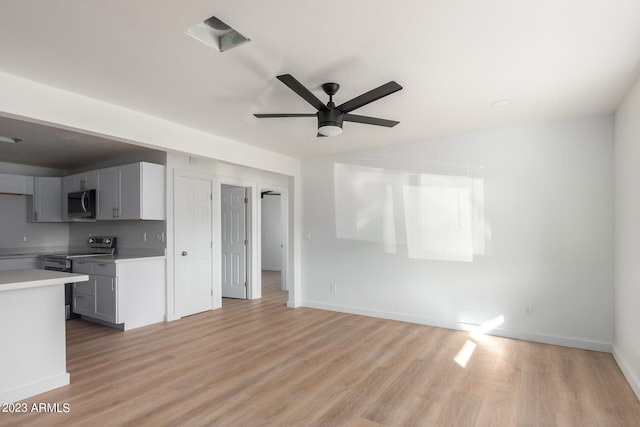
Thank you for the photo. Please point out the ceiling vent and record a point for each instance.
(216, 34)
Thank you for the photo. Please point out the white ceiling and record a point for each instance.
(554, 59)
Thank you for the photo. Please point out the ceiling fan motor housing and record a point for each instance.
(330, 117)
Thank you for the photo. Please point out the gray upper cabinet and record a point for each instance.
(16, 184)
(131, 192)
(108, 194)
(46, 204)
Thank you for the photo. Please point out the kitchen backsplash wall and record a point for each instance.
(132, 235)
(17, 233)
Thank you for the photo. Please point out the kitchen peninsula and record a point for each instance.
(32, 332)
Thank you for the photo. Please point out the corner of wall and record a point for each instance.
(628, 373)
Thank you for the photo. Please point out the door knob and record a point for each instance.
(184, 253)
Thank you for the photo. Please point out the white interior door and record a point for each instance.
(234, 243)
(193, 245)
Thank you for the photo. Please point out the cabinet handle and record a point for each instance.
(35, 216)
(102, 265)
(184, 253)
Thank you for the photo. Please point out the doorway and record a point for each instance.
(272, 236)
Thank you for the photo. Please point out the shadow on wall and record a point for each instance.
(437, 217)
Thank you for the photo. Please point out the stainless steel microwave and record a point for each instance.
(81, 204)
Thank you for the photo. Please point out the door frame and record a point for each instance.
(284, 218)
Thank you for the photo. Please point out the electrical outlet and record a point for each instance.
(332, 287)
(144, 236)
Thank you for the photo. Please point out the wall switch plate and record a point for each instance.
(332, 288)
(528, 310)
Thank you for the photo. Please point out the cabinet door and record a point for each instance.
(153, 191)
(130, 195)
(47, 199)
(86, 181)
(84, 301)
(106, 298)
(108, 193)
(84, 288)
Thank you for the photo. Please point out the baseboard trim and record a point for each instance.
(34, 389)
(506, 333)
(628, 373)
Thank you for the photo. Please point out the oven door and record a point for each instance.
(56, 264)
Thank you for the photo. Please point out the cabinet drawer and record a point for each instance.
(104, 269)
(82, 267)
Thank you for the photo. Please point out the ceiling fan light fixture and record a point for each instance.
(330, 130)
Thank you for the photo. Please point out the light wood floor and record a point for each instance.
(260, 363)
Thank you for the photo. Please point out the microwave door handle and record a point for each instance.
(84, 207)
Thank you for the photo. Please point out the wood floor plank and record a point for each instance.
(254, 363)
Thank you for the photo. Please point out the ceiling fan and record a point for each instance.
(329, 116)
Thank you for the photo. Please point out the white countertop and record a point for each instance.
(118, 258)
(24, 279)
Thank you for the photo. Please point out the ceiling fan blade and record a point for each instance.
(372, 95)
(369, 120)
(302, 91)
(269, 116)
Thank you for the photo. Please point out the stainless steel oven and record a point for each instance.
(97, 246)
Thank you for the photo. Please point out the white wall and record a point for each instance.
(627, 238)
(271, 233)
(34, 102)
(458, 231)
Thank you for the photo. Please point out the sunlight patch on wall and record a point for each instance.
(437, 217)
(366, 200)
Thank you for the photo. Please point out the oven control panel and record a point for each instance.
(106, 242)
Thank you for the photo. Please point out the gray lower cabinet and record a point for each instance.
(97, 297)
(126, 295)
(106, 308)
